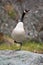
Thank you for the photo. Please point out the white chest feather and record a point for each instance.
(19, 27)
(18, 32)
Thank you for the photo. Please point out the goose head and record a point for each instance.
(23, 14)
(25, 11)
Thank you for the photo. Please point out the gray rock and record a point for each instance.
(20, 57)
(41, 35)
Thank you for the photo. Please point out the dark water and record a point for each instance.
(9, 57)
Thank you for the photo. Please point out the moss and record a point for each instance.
(12, 14)
(29, 46)
(5, 46)
(33, 46)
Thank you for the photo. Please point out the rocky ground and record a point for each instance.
(20, 57)
(11, 11)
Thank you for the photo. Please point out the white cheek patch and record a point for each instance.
(24, 11)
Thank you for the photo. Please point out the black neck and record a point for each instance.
(22, 17)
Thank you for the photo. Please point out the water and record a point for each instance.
(9, 57)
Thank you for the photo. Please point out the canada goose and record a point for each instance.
(18, 33)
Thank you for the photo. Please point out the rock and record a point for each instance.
(41, 35)
(1, 37)
(20, 57)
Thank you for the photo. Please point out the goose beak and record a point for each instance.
(25, 11)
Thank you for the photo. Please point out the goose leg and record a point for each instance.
(19, 43)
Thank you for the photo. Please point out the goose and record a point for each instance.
(18, 33)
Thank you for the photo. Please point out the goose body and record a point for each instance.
(18, 33)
